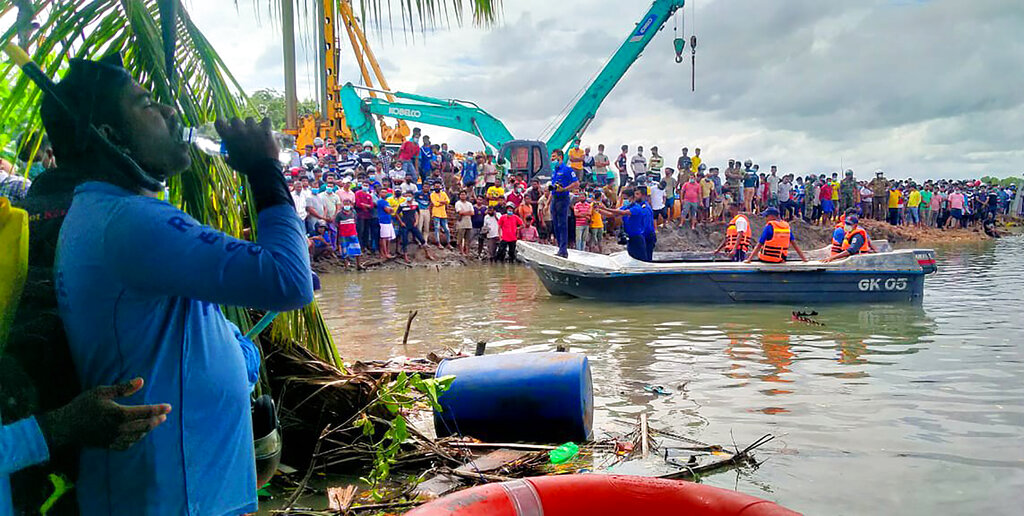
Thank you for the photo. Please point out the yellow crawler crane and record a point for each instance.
(334, 126)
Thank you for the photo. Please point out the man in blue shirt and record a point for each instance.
(634, 221)
(469, 172)
(139, 287)
(563, 181)
(426, 159)
(650, 233)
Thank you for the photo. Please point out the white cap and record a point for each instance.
(346, 180)
(367, 143)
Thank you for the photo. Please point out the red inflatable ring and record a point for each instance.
(598, 495)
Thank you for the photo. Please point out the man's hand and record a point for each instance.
(93, 419)
(248, 143)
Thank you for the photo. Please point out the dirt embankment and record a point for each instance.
(706, 237)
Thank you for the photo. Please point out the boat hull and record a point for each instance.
(739, 287)
(889, 277)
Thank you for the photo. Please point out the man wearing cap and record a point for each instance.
(563, 181)
(139, 284)
(855, 240)
(775, 241)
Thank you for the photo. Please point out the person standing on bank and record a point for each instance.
(563, 181)
(139, 284)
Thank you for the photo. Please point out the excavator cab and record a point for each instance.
(529, 157)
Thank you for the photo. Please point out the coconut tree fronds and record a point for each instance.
(199, 86)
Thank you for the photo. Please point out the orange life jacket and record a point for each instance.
(776, 248)
(857, 231)
(837, 245)
(736, 240)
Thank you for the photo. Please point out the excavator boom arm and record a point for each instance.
(583, 111)
(452, 114)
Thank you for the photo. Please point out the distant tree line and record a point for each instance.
(270, 102)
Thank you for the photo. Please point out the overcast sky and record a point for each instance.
(917, 88)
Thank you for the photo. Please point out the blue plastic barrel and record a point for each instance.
(530, 397)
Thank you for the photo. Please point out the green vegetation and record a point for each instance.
(1004, 182)
(270, 102)
(398, 397)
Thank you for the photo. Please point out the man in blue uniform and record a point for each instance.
(650, 234)
(634, 219)
(563, 181)
(139, 286)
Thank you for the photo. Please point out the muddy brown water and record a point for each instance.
(883, 410)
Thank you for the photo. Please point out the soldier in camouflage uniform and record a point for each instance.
(848, 192)
(879, 202)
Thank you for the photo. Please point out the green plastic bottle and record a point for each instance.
(563, 453)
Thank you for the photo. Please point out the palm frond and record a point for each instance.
(199, 86)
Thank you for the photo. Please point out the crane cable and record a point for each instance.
(679, 42)
(693, 47)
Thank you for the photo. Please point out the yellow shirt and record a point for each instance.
(695, 164)
(914, 199)
(835, 190)
(575, 154)
(495, 195)
(705, 188)
(439, 198)
(894, 198)
(596, 221)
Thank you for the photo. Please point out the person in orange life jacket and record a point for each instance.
(855, 242)
(773, 246)
(737, 236)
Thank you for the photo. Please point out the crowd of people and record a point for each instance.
(357, 200)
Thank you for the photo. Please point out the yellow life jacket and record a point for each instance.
(13, 262)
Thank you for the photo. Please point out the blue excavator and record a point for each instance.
(523, 156)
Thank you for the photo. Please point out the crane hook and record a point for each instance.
(680, 44)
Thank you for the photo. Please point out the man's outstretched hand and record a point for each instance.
(248, 143)
(93, 419)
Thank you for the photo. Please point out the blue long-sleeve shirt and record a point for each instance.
(21, 445)
(138, 285)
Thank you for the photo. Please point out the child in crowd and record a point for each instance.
(387, 229)
(596, 224)
(528, 232)
(348, 239)
(320, 244)
(408, 213)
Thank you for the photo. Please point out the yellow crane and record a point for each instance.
(334, 126)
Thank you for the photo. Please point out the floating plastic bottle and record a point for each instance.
(563, 453)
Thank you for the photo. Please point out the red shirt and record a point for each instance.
(826, 192)
(515, 198)
(364, 205)
(408, 151)
(509, 226)
(691, 192)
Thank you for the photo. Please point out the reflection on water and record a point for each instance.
(915, 409)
